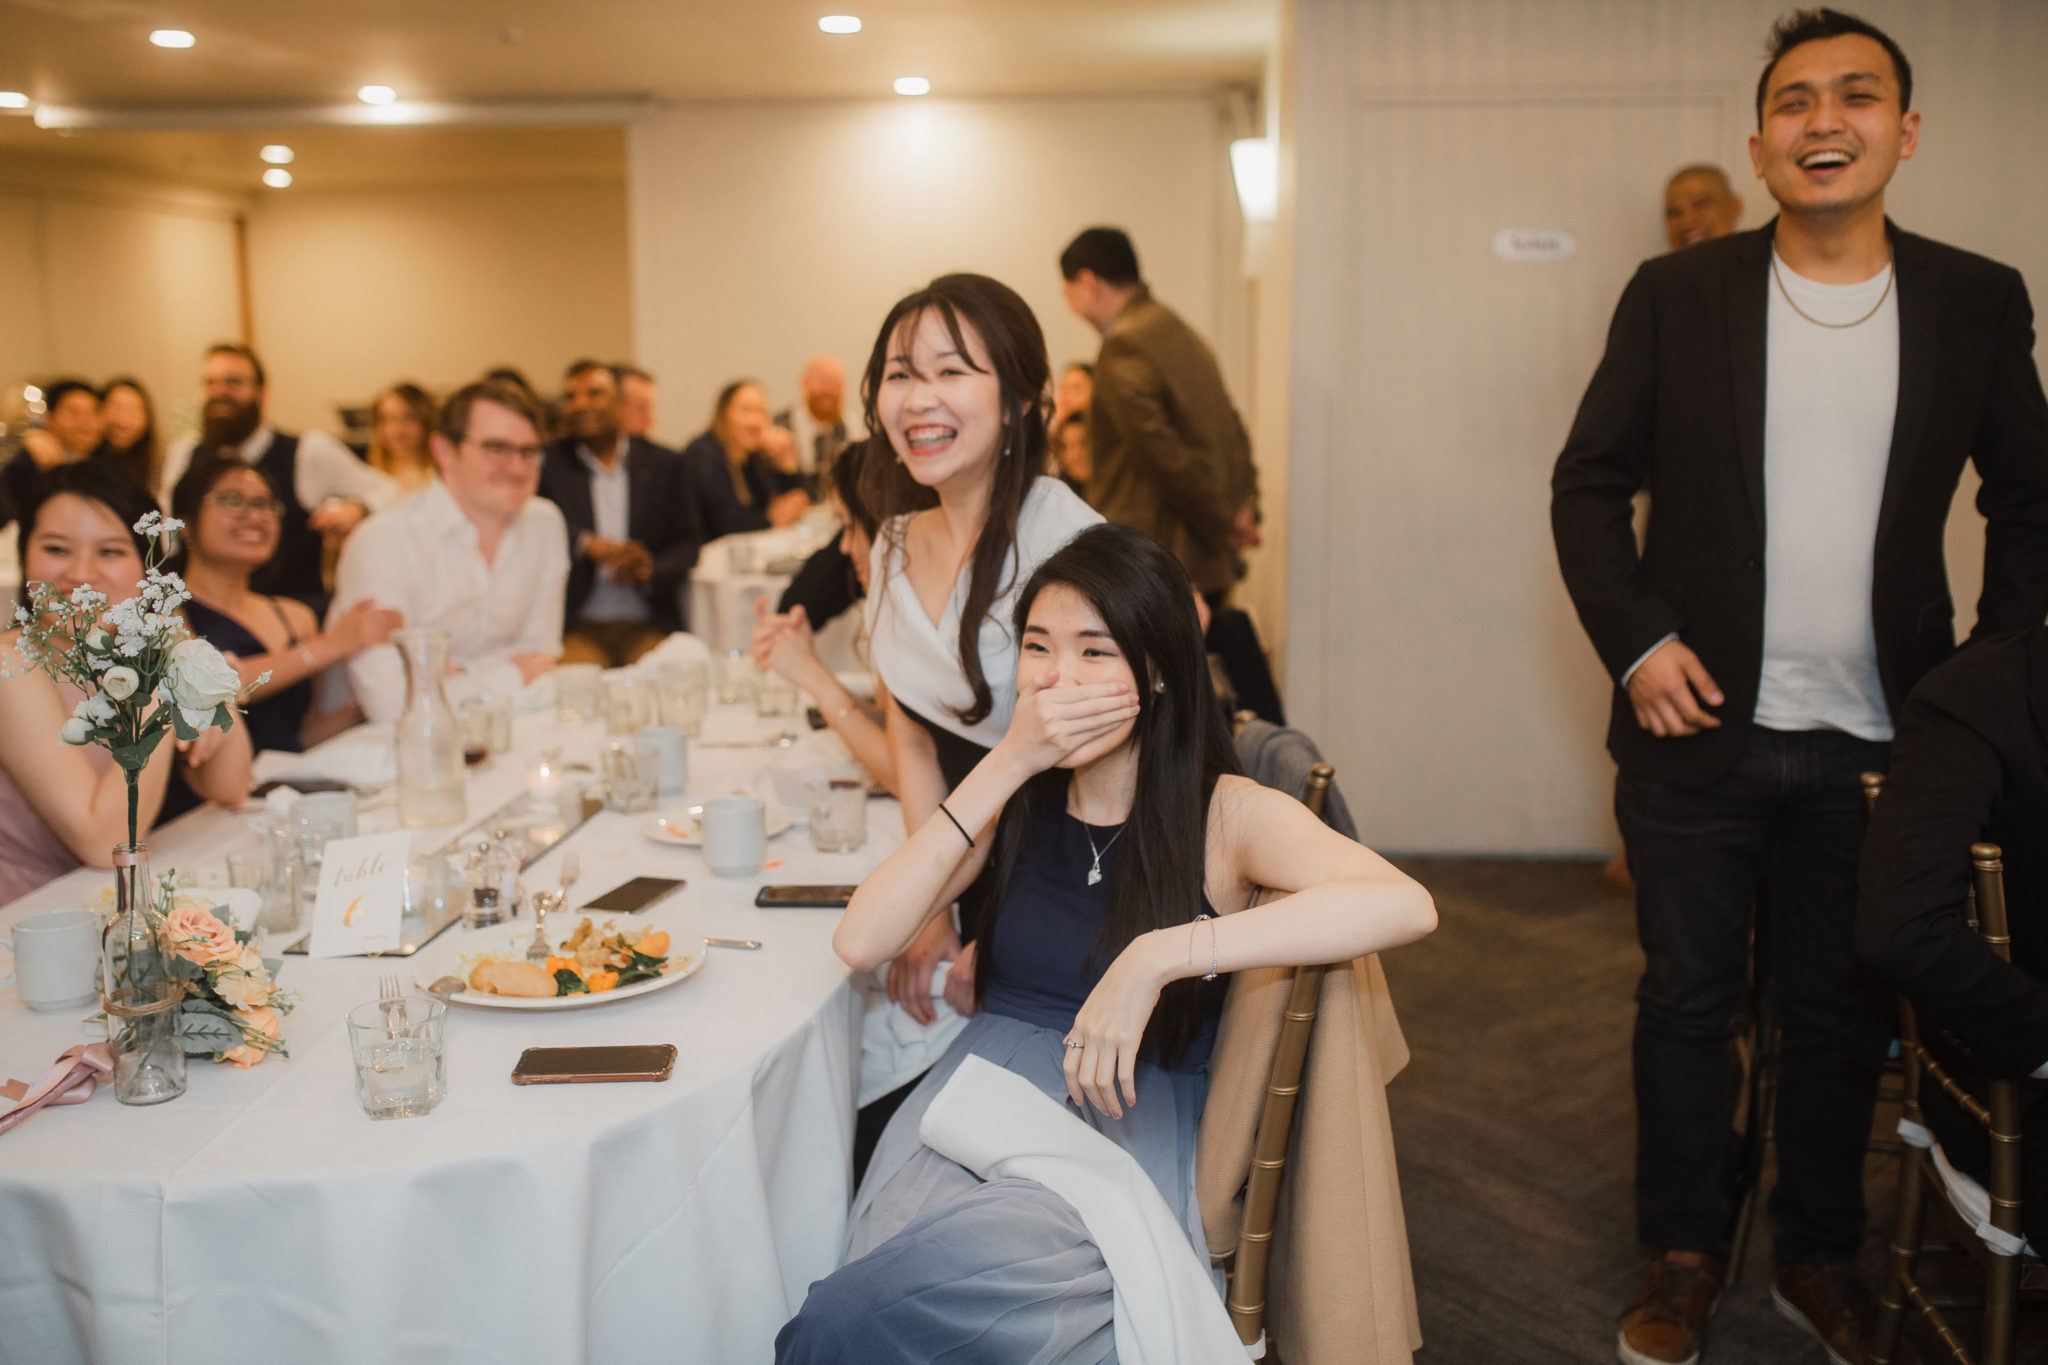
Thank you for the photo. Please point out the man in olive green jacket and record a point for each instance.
(1171, 456)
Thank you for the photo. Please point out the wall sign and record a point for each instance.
(1535, 244)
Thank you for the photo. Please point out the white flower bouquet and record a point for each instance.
(143, 673)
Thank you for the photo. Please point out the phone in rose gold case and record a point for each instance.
(569, 1065)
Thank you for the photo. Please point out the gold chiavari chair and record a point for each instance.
(1922, 1182)
(1246, 1268)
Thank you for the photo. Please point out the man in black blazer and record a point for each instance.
(1970, 762)
(634, 525)
(1799, 401)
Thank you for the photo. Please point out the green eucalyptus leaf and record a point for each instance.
(202, 1032)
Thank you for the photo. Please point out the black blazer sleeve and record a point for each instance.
(2011, 455)
(675, 523)
(1605, 460)
(824, 587)
(1947, 778)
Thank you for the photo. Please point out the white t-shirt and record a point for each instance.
(919, 659)
(1830, 397)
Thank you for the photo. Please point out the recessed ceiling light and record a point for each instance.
(376, 94)
(912, 85)
(277, 154)
(172, 37)
(278, 178)
(13, 99)
(839, 23)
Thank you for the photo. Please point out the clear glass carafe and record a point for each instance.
(432, 787)
(142, 988)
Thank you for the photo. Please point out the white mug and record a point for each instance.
(56, 959)
(672, 750)
(735, 835)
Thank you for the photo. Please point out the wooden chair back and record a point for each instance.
(1920, 1183)
(1246, 1296)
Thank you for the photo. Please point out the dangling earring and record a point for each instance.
(1159, 686)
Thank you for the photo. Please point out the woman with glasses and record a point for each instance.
(232, 517)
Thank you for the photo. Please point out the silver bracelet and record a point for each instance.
(1210, 975)
(306, 656)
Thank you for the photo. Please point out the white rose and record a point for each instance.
(120, 682)
(94, 711)
(76, 731)
(200, 681)
(98, 641)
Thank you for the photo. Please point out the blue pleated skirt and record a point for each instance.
(942, 1266)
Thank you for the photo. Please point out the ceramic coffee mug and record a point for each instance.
(56, 958)
(735, 835)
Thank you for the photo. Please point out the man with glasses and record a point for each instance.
(632, 524)
(327, 491)
(475, 554)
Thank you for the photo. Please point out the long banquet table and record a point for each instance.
(262, 1215)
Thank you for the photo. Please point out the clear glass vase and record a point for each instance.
(142, 987)
(433, 789)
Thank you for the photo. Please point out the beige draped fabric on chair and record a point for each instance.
(1340, 1287)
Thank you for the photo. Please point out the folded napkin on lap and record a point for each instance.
(894, 1048)
(363, 762)
(998, 1124)
(71, 1080)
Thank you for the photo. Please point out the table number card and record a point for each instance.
(361, 900)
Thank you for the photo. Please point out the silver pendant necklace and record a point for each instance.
(1095, 872)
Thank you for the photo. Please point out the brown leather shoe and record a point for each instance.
(1834, 1304)
(1668, 1320)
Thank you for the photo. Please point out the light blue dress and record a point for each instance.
(941, 1266)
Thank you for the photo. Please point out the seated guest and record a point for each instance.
(637, 396)
(70, 432)
(128, 416)
(632, 525)
(817, 423)
(1114, 817)
(400, 421)
(326, 490)
(1070, 451)
(738, 488)
(1074, 392)
(475, 554)
(231, 515)
(1970, 762)
(831, 582)
(62, 806)
(511, 374)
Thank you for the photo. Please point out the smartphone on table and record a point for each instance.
(637, 894)
(571, 1065)
(803, 897)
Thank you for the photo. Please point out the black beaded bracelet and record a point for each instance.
(956, 824)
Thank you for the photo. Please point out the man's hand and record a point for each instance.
(1667, 690)
(627, 560)
(780, 447)
(337, 517)
(788, 507)
(1244, 530)
(43, 448)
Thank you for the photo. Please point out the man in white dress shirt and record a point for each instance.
(326, 490)
(475, 554)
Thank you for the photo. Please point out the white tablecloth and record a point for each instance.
(262, 1215)
(722, 598)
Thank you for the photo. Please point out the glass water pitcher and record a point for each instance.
(432, 790)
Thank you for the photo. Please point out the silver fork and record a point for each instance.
(389, 995)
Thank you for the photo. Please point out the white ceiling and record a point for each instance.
(285, 64)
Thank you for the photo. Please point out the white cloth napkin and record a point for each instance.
(894, 1048)
(363, 762)
(679, 648)
(998, 1124)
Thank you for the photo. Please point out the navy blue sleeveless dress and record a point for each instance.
(943, 1266)
(274, 721)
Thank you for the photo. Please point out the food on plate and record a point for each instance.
(592, 960)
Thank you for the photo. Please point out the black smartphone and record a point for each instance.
(637, 894)
(569, 1065)
(803, 897)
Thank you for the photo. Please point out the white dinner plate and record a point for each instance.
(454, 953)
(680, 826)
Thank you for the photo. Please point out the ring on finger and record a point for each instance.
(1073, 1042)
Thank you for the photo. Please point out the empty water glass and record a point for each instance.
(775, 695)
(736, 676)
(576, 692)
(630, 702)
(632, 775)
(838, 811)
(684, 690)
(401, 1065)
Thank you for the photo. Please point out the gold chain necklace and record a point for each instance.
(1891, 273)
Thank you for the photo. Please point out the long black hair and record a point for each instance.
(1010, 333)
(95, 481)
(1142, 594)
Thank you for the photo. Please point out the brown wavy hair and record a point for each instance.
(1010, 333)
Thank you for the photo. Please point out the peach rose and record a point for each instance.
(262, 1018)
(194, 934)
(245, 983)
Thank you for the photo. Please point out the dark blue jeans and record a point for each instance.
(1780, 835)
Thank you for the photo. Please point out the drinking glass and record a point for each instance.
(475, 715)
(576, 692)
(632, 774)
(286, 873)
(736, 674)
(774, 695)
(629, 701)
(838, 810)
(401, 1065)
(684, 690)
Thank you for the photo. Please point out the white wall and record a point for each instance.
(1432, 650)
(763, 234)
